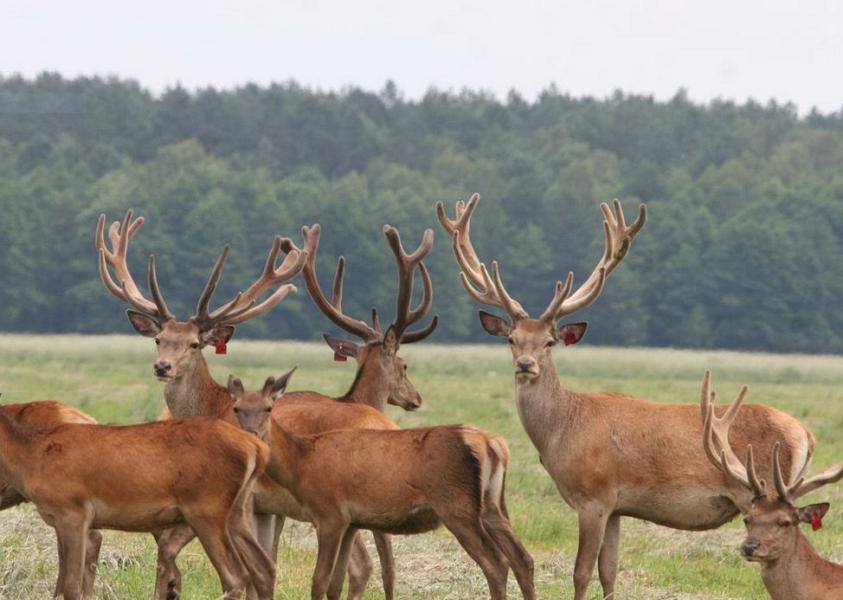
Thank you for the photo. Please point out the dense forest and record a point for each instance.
(744, 247)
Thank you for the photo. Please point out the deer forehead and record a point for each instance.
(531, 331)
(179, 331)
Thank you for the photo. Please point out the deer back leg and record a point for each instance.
(260, 566)
(500, 530)
(329, 534)
(167, 574)
(92, 556)
(213, 534)
(383, 543)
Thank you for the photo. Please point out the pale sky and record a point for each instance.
(734, 49)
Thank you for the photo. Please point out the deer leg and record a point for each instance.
(62, 554)
(223, 555)
(383, 542)
(468, 529)
(329, 535)
(265, 526)
(167, 575)
(592, 525)
(350, 538)
(359, 569)
(500, 530)
(276, 536)
(73, 537)
(260, 566)
(92, 555)
(607, 563)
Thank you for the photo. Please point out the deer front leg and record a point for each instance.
(329, 534)
(383, 542)
(607, 563)
(359, 569)
(338, 577)
(168, 576)
(73, 537)
(592, 525)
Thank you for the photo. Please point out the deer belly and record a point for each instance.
(137, 517)
(417, 520)
(692, 509)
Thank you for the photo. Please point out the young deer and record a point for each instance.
(396, 481)
(790, 567)
(45, 416)
(83, 477)
(610, 455)
(381, 376)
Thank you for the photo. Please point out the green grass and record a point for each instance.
(110, 378)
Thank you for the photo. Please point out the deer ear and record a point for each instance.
(220, 332)
(571, 333)
(390, 341)
(143, 324)
(494, 325)
(235, 386)
(280, 385)
(812, 512)
(341, 346)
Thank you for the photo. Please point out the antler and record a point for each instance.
(474, 277)
(716, 440)
(619, 239)
(243, 306)
(407, 264)
(120, 234)
(790, 493)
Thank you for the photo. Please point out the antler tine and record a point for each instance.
(202, 315)
(716, 439)
(329, 309)
(125, 288)
(778, 478)
(561, 292)
(157, 296)
(407, 263)
(618, 241)
(804, 486)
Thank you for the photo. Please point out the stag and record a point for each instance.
(396, 481)
(610, 455)
(790, 567)
(80, 477)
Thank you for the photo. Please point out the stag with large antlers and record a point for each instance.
(81, 477)
(790, 567)
(611, 455)
(397, 481)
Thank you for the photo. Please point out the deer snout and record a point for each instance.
(162, 368)
(525, 365)
(748, 548)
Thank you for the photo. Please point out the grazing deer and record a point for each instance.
(610, 455)
(142, 478)
(790, 567)
(45, 416)
(397, 481)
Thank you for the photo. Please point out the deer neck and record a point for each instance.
(791, 574)
(370, 385)
(544, 406)
(17, 447)
(196, 394)
(286, 452)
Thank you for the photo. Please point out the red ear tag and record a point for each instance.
(339, 357)
(220, 347)
(816, 522)
(570, 338)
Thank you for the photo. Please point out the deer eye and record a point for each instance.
(194, 345)
(550, 343)
(157, 342)
(746, 522)
(236, 409)
(268, 409)
(510, 340)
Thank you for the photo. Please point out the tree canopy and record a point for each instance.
(744, 247)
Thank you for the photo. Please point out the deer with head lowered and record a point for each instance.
(611, 455)
(81, 477)
(46, 415)
(398, 481)
(189, 390)
(381, 379)
(790, 567)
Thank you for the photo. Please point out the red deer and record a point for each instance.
(142, 478)
(790, 567)
(610, 455)
(397, 481)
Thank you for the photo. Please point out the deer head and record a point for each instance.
(531, 339)
(773, 519)
(253, 409)
(379, 350)
(180, 343)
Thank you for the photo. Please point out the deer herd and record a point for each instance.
(231, 464)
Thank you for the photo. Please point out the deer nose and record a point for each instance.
(524, 364)
(749, 548)
(161, 368)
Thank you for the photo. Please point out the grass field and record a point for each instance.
(111, 378)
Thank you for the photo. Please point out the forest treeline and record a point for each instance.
(744, 247)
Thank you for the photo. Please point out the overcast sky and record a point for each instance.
(737, 49)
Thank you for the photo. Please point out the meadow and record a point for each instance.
(110, 377)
